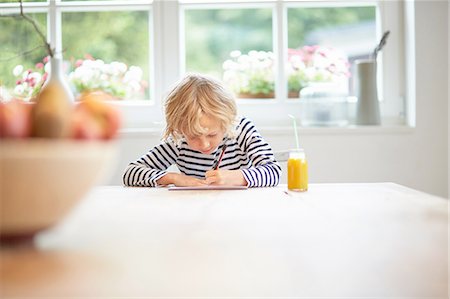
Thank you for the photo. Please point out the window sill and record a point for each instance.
(347, 130)
(288, 131)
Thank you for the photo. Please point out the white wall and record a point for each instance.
(416, 157)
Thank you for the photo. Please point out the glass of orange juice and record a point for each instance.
(297, 170)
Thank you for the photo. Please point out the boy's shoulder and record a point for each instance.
(169, 141)
(242, 122)
(245, 127)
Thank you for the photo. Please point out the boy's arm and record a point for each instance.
(179, 180)
(148, 169)
(265, 170)
(226, 177)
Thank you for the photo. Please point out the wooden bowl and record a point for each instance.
(41, 180)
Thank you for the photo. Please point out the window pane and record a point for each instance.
(21, 45)
(102, 46)
(236, 40)
(97, 0)
(323, 43)
(15, 1)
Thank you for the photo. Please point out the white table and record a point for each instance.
(336, 240)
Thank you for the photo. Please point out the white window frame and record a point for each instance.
(167, 63)
(270, 113)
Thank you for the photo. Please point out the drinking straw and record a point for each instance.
(294, 122)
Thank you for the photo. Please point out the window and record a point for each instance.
(165, 39)
(105, 45)
(19, 46)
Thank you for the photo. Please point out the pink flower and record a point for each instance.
(332, 68)
(46, 59)
(32, 82)
(79, 62)
(39, 65)
(321, 53)
(89, 57)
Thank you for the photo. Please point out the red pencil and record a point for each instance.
(224, 147)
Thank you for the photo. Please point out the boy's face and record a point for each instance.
(207, 142)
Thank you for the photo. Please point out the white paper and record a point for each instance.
(207, 187)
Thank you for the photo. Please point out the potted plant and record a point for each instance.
(250, 75)
(115, 78)
(87, 75)
(316, 64)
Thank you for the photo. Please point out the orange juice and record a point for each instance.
(297, 171)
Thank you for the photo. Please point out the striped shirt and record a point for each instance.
(247, 151)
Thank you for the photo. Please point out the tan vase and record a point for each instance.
(51, 116)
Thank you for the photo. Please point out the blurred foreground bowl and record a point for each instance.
(41, 180)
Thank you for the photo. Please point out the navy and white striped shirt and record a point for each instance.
(247, 151)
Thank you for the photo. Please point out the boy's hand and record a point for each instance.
(180, 180)
(225, 177)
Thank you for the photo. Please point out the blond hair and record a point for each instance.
(196, 95)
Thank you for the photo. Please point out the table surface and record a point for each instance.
(335, 240)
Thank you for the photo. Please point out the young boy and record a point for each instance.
(201, 123)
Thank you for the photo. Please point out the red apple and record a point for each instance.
(15, 119)
(84, 125)
(94, 118)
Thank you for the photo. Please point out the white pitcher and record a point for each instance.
(367, 107)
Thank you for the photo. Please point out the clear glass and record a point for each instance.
(323, 106)
(21, 49)
(120, 40)
(234, 45)
(323, 42)
(297, 170)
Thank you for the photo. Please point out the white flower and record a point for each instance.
(134, 86)
(235, 54)
(253, 54)
(104, 77)
(18, 70)
(297, 62)
(229, 76)
(135, 73)
(47, 68)
(121, 67)
(19, 90)
(36, 76)
(266, 64)
(244, 61)
(114, 78)
(249, 73)
(263, 55)
(227, 64)
(25, 75)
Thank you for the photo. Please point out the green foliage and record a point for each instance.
(212, 34)
(110, 36)
(122, 36)
(18, 36)
(297, 81)
(302, 21)
(258, 84)
(250, 73)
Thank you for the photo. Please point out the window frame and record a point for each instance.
(166, 57)
(272, 113)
